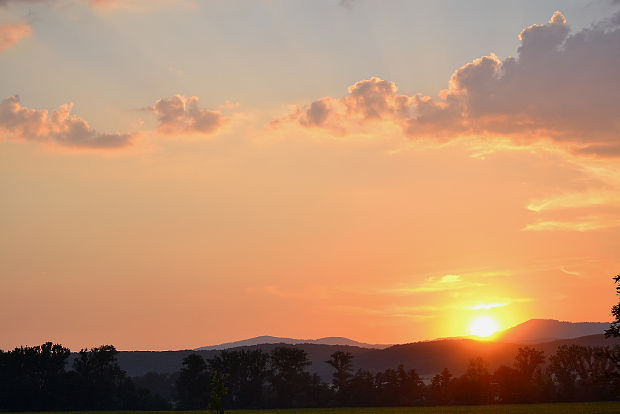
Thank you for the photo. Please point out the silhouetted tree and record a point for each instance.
(342, 362)
(613, 354)
(193, 384)
(246, 372)
(288, 377)
(98, 381)
(474, 386)
(441, 388)
(528, 365)
(614, 329)
(362, 390)
(218, 392)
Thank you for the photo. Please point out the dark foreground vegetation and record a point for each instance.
(36, 379)
(608, 407)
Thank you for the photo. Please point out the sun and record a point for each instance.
(483, 326)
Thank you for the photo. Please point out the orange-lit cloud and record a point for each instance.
(179, 114)
(580, 224)
(561, 86)
(60, 127)
(12, 33)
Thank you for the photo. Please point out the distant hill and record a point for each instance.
(140, 362)
(545, 330)
(428, 358)
(259, 340)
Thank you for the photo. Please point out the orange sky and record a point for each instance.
(366, 210)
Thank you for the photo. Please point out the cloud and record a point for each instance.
(179, 114)
(590, 222)
(562, 87)
(569, 272)
(12, 33)
(59, 128)
(500, 303)
(435, 284)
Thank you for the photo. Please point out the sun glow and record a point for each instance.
(483, 327)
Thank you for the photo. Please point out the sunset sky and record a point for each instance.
(179, 173)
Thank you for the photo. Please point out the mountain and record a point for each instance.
(259, 340)
(427, 358)
(546, 330)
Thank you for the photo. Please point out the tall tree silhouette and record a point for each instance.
(98, 380)
(342, 362)
(614, 329)
(528, 364)
(289, 378)
(193, 384)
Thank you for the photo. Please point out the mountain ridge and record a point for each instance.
(532, 331)
(547, 330)
(266, 339)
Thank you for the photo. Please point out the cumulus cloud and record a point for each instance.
(179, 114)
(560, 86)
(12, 33)
(59, 128)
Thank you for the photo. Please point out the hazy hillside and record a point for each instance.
(141, 362)
(259, 340)
(545, 330)
(428, 357)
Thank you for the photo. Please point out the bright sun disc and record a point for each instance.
(483, 327)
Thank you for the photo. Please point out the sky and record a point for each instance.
(180, 173)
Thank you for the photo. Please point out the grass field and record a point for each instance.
(572, 408)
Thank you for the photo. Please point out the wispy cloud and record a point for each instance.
(500, 303)
(588, 198)
(12, 33)
(569, 272)
(434, 284)
(580, 224)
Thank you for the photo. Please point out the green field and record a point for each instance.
(572, 408)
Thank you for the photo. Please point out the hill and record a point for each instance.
(546, 330)
(259, 340)
(428, 358)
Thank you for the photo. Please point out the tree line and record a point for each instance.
(35, 379)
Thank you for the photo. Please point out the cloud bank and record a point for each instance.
(179, 114)
(12, 33)
(59, 128)
(560, 86)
